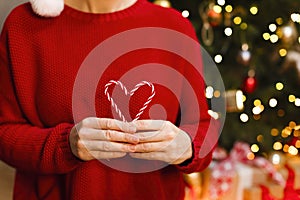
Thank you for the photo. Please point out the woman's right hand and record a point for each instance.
(102, 138)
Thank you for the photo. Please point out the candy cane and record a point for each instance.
(124, 89)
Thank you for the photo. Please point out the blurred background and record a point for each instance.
(256, 46)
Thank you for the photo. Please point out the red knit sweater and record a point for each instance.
(39, 61)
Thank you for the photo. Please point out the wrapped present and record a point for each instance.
(271, 191)
(294, 164)
(226, 180)
(268, 191)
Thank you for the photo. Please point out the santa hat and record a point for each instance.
(47, 8)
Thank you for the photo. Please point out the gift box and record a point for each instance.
(294, 164)
(245, 177)
(256, 192)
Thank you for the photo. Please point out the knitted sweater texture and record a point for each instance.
(39, 61)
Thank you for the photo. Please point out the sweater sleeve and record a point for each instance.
(22, 145)
(195, 120)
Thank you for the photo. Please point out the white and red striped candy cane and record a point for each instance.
(124, 89)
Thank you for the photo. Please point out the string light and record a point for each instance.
(292, 98)
(279, 21)
(295, 17)
(266, 36)
(229, 8)
(209, 92)
(277, 146)
(217, 9)
(254, 148)
(218, 58)
(297, 102)
(228, 31)
(274, 38)
(237, 20)
(282, 52)
(185, 13)
(244, 117)
(221, 2)
(274, 132)
(217, 93)
(293, 150)
(254, 10)
(280, 113)
(256, 102)
(273, 102)
(279, 86)
(244, 26)
(272, 27)
(260, 138)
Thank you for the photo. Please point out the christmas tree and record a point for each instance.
(256, 46)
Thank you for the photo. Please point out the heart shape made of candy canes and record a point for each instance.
(130, 93)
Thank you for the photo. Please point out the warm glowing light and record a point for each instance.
(218, 58)
(273, 102)
(286, 148)
(185, 13)
(293, 150)
(221, 2)
(244, 26)
(276, 159)
(260, 138)
(228, 31)
(244, 117)
(257, 102)
(274, 38)
(295, 17)
(245, 47)
(279, 21)
(274, 132)
(217, 9)
(292, 124)
(244, 98)
(272, 27)
(266, 36)
(279, 86)
(254, 10)
(297, 145)
(292, 98)
(280, 113)
(209, 92)
(228, 8)
(299, 39)
(282, 52)
(217, 93)
(297, 102)
(237, 20)
(250, 156)
(256, 110)
(287, 31)
(213, 114)
(254, 148)
(277, 146)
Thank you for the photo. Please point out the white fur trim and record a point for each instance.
(47, 8)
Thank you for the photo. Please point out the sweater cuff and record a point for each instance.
(68, 158)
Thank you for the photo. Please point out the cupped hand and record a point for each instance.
(161, 140)
(102, 138)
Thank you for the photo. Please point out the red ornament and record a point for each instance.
(249, 84)
(214, 18)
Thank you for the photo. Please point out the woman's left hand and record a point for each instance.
(161, 140)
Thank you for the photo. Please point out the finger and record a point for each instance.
(155, 136)
(107, 135)
(107, 155)
(149, 125)
(94, 145)
(151, 147)
(149, 156)
(108, 124)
